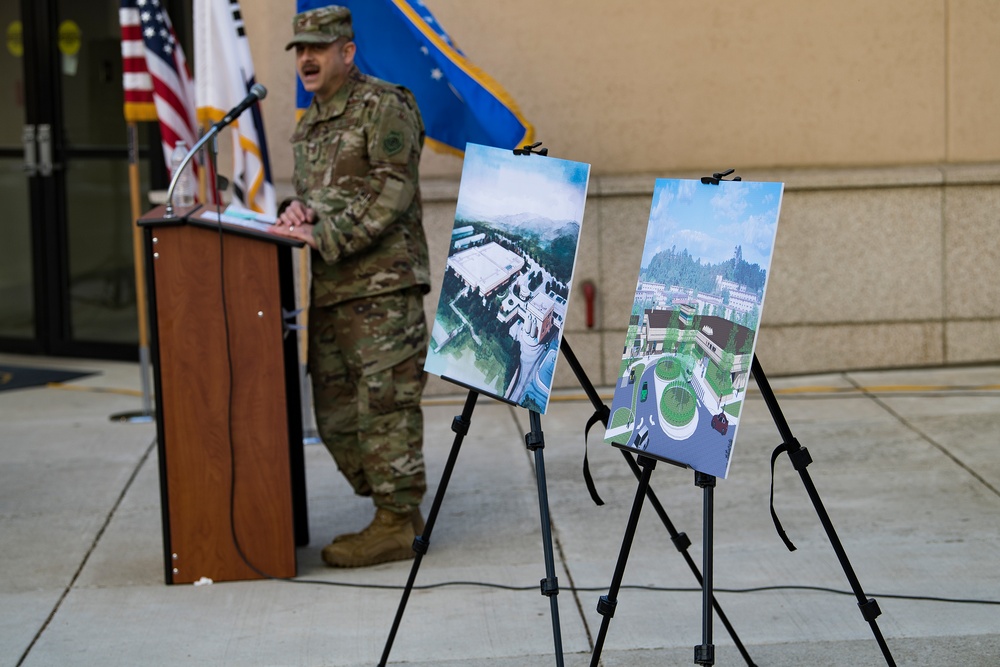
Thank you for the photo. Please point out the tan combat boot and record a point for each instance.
(388, 538)
(416, 518)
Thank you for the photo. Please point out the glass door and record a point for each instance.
(67, 282)
(18, 171)
(99, 300)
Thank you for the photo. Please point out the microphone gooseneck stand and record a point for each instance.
(257, 93)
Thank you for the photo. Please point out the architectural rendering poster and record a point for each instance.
(508, 275)
(691, 336)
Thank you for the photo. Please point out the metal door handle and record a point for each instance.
(45, 150)
(30, 156)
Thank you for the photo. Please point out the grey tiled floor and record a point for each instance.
(906, 462)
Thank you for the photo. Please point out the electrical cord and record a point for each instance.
(232, 380)
(642, 587)
(637, 587)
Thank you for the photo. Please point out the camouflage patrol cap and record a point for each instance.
(323, 25)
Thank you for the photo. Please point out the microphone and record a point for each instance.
(257, 92)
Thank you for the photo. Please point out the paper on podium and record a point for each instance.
(240, 217)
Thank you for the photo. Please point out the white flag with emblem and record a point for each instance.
(224, 74)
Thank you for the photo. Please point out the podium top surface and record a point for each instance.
(205, 217)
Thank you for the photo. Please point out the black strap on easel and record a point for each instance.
(715, 179)
(602, 412)
(774, 516)
(601, 416)
(800, 461)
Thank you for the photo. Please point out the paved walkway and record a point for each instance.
(907, 463)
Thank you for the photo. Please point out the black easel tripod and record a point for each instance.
(535, 442)
(800, 460)
(680, 540)
(705, 653)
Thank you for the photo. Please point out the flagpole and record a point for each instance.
(146, 414)
(311, 435)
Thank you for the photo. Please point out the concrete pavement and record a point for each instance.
(906, 463)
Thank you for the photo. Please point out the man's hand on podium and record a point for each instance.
(296, 222)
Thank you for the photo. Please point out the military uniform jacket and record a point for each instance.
(356, 165)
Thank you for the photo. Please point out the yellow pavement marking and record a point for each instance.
(605, 396)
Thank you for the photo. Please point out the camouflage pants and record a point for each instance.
(366, 359)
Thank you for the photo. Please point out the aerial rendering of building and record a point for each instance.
(486, 267)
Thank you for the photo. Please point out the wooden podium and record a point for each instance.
(228, 416)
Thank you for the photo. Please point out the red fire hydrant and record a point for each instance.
(589, 292)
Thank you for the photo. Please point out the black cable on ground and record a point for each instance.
(642, 587)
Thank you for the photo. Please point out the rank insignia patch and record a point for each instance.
(393, 143)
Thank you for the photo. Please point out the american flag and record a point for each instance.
(156, 79)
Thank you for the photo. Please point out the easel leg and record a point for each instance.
(460, 425)
(680, 540)
(550, 584)
(800, 459)
(606, 605)
(704, 654)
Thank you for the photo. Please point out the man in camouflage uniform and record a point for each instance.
(357, 152)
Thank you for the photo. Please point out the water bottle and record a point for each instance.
(184, 191)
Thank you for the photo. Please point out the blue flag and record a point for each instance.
(400, 41)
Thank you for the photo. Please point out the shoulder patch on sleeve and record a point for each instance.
(393, 142)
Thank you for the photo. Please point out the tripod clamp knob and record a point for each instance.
(870, 609)
(606, 606)
(460, 425)
(420, 545)
(534, 441)
(799, 455)
(704, 654)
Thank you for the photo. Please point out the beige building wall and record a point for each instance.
(880, 117)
